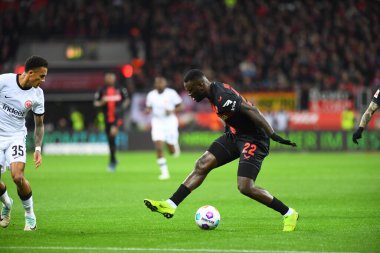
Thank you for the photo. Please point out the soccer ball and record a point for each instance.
(207, 217)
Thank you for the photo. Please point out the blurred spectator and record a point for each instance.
(258, 45)
(77, 120)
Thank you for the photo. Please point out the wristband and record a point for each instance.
(38, 148)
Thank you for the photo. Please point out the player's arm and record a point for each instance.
(98, 101)
(178, 107)
(39, 132)
(126, 99)
(256, 116)
(148, 109)
(366, 118)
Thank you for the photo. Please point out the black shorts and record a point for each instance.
(116, 123)
(108, 127)
(249, 149)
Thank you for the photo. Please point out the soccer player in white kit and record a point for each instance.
(18, 95)
(163, 103)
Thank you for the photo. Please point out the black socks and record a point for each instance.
(278, 206)
(181, 193)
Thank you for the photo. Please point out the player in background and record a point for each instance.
(113, 100)
(366, 118)
(18, 95)
(247, 138)
(163, 103)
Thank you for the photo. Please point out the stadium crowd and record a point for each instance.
(256, 45)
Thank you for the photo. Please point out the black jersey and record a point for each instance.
(226, 102)
(114, 97)
(376, 97)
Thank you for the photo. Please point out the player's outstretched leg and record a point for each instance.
(162, 207)
(290, 221)
(6, 214)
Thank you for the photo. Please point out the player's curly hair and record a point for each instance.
(193, 74)
(34, 62)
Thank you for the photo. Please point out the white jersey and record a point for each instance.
(15, 103)
(162, 102)
(164, 127)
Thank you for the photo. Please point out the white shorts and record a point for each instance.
(12, 149)
(167, 132)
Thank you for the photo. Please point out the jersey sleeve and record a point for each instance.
(98, 94)
(176, 98)
(148, 101)
(2, 82)
(376, 97)
(39, 107)
(124, 93)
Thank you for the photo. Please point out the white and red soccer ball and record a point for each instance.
(207, 217)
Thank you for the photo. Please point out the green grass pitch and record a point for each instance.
(80, 207)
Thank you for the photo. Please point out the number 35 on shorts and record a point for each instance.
(17, 151)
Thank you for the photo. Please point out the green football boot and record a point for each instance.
(290, 221)
(162, 207)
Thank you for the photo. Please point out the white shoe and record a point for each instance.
(30, 223)
(5, 216)
(164, 177)
(177, 151)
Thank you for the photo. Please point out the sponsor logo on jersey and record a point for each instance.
(28, 104)
(12, 110)
(112, 98)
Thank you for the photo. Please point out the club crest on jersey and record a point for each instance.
(28, 104)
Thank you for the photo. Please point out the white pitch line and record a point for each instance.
(158, 249)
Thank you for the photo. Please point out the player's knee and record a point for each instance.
(248, 189)
(244, 189)
(18, 178)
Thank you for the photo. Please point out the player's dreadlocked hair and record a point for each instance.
(34, 62)
(193, 74)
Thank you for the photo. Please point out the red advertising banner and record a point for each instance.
(324, 121)
(314, 121)
(323, 105)
(84, 81)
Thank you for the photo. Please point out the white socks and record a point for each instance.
(28, 206)
(170, 202)
(6, 200)
(163, 166)
(289, 212)
(177, 150)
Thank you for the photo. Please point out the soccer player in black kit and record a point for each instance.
(113, 99)
(372, 107)
(246, 138)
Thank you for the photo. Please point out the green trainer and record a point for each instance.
(162, 207)
(5, 216)
(290, 221)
